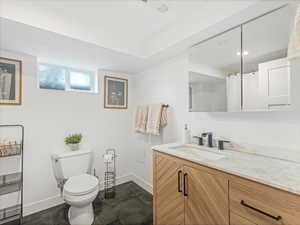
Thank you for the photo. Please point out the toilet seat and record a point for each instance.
(81, 185)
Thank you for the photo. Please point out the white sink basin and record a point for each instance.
(198, 152)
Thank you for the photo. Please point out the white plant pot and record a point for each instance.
(73, 147)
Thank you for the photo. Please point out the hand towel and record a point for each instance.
(141, 118)
(164, 117)
(154, 119)
(294, 45)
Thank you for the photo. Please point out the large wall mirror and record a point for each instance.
(245, 68)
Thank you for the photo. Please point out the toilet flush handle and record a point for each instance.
(60, 185)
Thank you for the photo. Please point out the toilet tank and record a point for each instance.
(70, 164)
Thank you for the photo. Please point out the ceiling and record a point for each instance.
(58, 49)
(119, 25)
(121, 35)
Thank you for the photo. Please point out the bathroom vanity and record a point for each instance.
(193, 185)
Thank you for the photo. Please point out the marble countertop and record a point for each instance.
(278, 173)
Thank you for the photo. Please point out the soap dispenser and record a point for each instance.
(186, 135)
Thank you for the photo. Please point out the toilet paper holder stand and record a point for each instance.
(110, 173)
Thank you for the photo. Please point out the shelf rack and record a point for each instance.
(10, 150)
(10, 183)
(110, 175)
(13, 182)
(12, 213)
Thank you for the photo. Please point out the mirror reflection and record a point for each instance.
(245, 68)
(211, 88)
(216, 59)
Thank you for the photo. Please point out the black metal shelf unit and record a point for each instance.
(10, 183)
(13, 182)
(110, 175)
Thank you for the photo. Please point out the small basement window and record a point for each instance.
(52, 77)
(68, 79)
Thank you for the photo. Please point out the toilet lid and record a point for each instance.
(80, 185)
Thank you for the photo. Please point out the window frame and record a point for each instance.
(92, 74)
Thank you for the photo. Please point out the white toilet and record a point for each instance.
(79, 189)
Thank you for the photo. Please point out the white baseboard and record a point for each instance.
(42, 205)
(57, 200)
(142, 183)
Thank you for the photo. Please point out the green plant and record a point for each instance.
(73, 139)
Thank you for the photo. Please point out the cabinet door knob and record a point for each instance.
(185, 176)
(179, 180)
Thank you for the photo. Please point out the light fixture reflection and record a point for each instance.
(244, 53)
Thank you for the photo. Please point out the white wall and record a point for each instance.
(48, 116)
(168, 83)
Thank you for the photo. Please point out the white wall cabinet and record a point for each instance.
(274, 84)
(257, 50)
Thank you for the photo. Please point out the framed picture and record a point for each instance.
(10, 81)
(115, 93)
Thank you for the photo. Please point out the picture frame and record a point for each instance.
(115, 93)
(10, 81)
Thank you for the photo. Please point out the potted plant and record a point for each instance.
(73, 140)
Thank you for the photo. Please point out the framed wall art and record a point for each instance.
(10, 81)
(115, 93)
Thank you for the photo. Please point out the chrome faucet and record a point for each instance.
(221, 144)
(209, 136)
(200, 140)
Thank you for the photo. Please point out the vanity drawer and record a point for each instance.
(264, 205)
(238, 220)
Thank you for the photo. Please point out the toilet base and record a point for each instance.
(81, 215)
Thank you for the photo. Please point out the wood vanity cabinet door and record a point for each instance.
(168, 201)
(207, 198)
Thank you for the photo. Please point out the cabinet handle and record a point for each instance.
(179, 180)
(184, 184)
(260, 211)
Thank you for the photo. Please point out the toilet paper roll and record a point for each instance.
(108, 158)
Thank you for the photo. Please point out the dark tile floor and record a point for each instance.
(132, 205)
